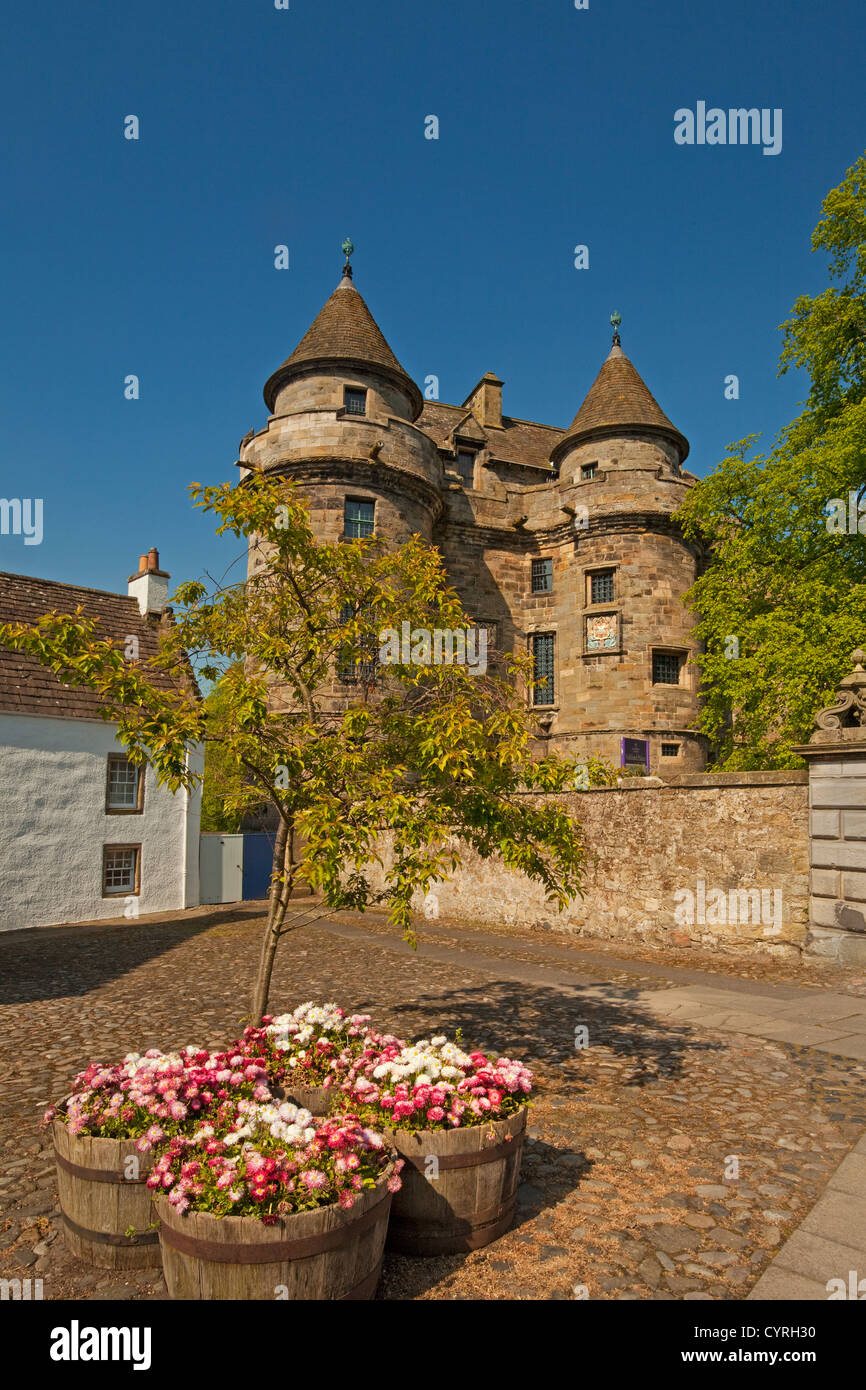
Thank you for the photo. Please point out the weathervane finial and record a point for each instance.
(616, 320)
(347, 248)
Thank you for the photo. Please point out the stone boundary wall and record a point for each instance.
(716, 860)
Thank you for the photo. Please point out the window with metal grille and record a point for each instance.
(358, 518)
(125, 785)
(601, 587)
(666, 668)
(542, 668)
(588, 471)
(542, 576)
(120, 869)
(670, 750)
(466, 467)
(355, 401)
(358, 665)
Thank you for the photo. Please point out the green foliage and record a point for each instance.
(826, 333)
(225, 783)
(431, 758)
(783, 603)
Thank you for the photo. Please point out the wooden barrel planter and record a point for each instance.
(471, 1201)
(100, 1204)
(323, 1254)
(316, 1099)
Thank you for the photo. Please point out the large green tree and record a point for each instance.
(783, 602)
(430, 757)
(223, 777)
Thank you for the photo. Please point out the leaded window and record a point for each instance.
(542, 668)
(666, 668)
(601, 587)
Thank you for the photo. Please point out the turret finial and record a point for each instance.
(347, 248)
(616, 320)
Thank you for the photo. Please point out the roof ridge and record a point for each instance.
(64, 584)
(515, 419)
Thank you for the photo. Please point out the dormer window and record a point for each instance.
(588, 471)
(466, 467)
(355, 400)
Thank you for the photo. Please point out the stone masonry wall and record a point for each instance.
(731, 849)
(838, 827)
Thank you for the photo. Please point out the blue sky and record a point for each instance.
(262, 126)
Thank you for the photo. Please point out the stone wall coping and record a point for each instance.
(707, 780)
(848, 748)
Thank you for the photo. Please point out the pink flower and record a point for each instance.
(435, 1114)
(313, 1179)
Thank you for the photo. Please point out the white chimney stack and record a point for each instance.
(150, 584)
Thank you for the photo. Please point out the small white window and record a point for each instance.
(120, 865)
(125, 785)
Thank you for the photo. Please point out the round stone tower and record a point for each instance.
(627, 688)
(342, 423)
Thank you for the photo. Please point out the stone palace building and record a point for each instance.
(564, 541)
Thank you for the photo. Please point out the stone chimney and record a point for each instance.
(485, 402)
(150, 584)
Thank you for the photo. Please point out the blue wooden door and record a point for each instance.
(258, 863)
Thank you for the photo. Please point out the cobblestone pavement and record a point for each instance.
(629, 1186)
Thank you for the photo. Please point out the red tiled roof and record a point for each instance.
(28, 687)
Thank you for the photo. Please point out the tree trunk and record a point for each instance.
(282, 879)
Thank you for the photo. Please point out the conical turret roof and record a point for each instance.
(619, 399)
(344, 331)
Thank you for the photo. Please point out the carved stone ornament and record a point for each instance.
(846, 717)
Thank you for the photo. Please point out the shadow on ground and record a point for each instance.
(539, 1024)
(407, 1276)
(42, 963)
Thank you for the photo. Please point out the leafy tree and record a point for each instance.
(783, 602)
(223, 777)
(430, 757)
